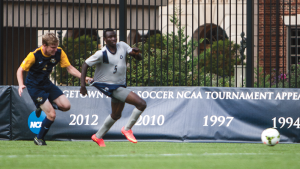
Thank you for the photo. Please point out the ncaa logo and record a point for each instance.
(35, 123)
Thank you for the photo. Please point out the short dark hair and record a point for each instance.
(107, 30)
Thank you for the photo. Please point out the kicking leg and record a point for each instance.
(117, 108)
(125, 95)
(46, 124)
(140, 106)
(62, 103)
(111, 119)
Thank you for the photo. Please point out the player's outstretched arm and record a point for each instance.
(136, 54)
(20, 80)
(73, 71)
(84, 68)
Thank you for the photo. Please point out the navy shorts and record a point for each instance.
(116, 92)
(39, 94)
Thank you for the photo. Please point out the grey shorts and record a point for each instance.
(120, 95)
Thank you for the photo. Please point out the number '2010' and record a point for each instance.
(147, 120)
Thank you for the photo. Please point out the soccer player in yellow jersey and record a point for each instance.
(43, 92)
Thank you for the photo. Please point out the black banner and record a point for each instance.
(21, 108)
(5, 113)
(189, 114)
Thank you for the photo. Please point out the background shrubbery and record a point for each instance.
(77, 51)
(168, 60)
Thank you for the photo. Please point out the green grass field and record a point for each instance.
(144, 155)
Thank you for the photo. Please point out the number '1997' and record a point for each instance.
(214, 119)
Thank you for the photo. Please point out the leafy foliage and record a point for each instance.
(263, 78)
(169, 63)
(78, 50)
(169, 60)
(280, 80)
(292, 78)
(220, 58)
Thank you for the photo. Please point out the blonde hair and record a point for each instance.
(49, 39)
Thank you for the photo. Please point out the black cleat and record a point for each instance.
(54, 105)
(38, 112)
(39, 142)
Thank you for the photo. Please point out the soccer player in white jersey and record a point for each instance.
(110, 79)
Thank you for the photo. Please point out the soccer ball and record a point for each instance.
(270, 137)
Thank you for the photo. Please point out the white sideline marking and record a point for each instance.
(136, 155)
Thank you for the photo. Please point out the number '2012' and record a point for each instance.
(79, 119)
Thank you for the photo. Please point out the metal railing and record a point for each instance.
(224, 43)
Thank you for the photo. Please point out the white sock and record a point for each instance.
(105, 127)
(133, 118)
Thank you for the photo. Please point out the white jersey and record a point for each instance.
(110, 67)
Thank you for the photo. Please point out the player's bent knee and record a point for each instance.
(142, 105)
(51, 116)
(115, 117)
(65, 108)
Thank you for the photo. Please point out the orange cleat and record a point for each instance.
(129, 135)
(100, 142)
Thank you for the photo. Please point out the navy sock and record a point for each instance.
(44, 128)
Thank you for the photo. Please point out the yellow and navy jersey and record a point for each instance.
(39, 65)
